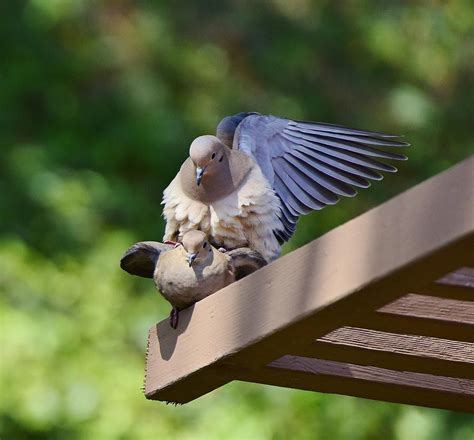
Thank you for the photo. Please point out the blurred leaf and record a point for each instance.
(100, 101)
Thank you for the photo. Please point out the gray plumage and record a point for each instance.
(310, 164)
(249, 185)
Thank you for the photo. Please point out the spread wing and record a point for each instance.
(245, 261)
(141, 258)
(311, 164)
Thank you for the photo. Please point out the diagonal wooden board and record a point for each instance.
(380, 307)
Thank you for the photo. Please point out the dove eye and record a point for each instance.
(213, 156)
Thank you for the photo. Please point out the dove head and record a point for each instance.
(207, 154)
(196, 246)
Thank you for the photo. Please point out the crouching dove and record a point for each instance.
(247, 186)
(187, 273)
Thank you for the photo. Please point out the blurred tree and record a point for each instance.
(100, 100)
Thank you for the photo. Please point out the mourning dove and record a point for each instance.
(247, 186)
(187, 273)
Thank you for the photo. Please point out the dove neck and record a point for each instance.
(222, 179)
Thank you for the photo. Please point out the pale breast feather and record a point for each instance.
(247, 217)
(244, 218)
(182, 213)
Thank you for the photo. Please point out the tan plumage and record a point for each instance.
(189, 272)
(235, 204)
(182, 284)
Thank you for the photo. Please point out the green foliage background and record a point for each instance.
(99, 102)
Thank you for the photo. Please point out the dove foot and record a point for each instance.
(172, 243)
(174, 317)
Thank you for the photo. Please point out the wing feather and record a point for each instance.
(355, 158)
(302, 162)
(346, 145)
(334, 128)
(337, 163)
(310, 184)
(141, 258)
(311, 164)
(365, 140)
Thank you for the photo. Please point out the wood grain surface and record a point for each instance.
(366, 273)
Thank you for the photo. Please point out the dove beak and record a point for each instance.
(191, 258)
(199, 174)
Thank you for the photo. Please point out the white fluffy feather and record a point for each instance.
(246, 217)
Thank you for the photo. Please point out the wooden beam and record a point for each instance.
(178, 391)
(357, 267)
(375, 374)
(410, 325)
(368, 382)
(394, 351)
(431, 307)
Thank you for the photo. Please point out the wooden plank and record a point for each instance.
(359, 266)
(375, 374)
(442, 309)
(413, 345)
(394, 351)
(166, 343)
(366, 382)
(414, 326)
(196, 384)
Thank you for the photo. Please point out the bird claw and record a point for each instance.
(173, 243)
(174, 317)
